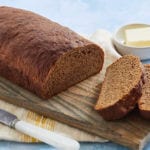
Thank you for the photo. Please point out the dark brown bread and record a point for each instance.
(121, 88)
(144, 101)
(43, 56)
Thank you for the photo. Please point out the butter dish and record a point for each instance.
(119, 39)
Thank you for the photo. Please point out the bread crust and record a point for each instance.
(30, 46)
(145, 114)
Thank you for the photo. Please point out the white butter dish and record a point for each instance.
(118, 40)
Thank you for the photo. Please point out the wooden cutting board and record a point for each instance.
(75, 108)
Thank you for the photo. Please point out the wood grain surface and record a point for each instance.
(75, 107)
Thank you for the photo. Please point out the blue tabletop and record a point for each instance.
(83, 16)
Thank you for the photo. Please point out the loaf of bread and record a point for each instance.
(144, 101)
(121, 88)
(43, 56)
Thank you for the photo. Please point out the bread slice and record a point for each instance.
(144, 101)
(121, 88)
(43, 56)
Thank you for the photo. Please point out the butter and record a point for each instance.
(138, 37)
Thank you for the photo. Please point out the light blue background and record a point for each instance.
(84, 16)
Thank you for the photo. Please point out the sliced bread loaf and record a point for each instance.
(121, 88)
(43, 56)
(144, 101)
